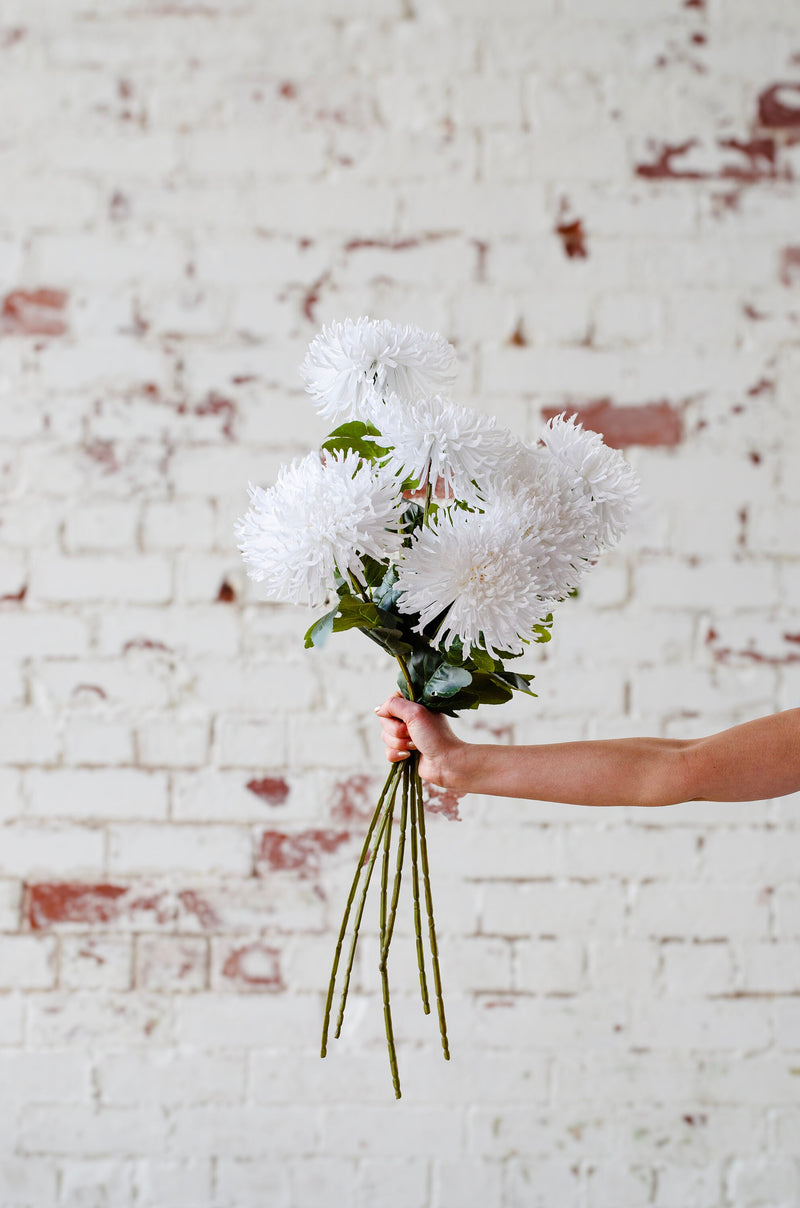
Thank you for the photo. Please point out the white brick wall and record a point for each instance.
(598, 205)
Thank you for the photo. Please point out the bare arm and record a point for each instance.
(751, 762)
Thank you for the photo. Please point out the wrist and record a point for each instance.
(457, 767)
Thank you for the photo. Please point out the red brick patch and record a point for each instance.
(254, 967)
(300, 852)
(272, 789)
(653, 424)
(779, 107)
(37, 312)
(48, 903)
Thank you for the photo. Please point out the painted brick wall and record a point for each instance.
(599, 204)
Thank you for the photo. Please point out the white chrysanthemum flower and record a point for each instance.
(438, 441)
(320, 517)
(351, 366)
(601, 473)
(560, 514)
(482, 568)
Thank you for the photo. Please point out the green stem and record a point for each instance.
(406, 675)
(423, 981)
(387, 843)
(348, 907)
(383, 966)
(359, 590)
(386, 934)
(387, 813)
(428, 495)
(437, 980)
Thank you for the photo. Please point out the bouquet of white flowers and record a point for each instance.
(447, 541)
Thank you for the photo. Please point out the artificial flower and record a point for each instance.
(350, 367)
(321, 517)
(434, 440)
(600, 473)
(480, 569)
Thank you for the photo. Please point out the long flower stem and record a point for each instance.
(348, 907)
(385, 816)
(423, 981)
(423, 849)
(383, 966)
(387, 932)
(406, 675)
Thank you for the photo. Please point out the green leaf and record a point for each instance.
(520, 683)
(353, 613)
(321, 630)
(392, 640)
(482, 660)
(445, 682)
(386, 594)
(354, 436)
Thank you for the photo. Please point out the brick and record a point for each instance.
(109, 1021)
(542, 1182)
(111, 526)
(548, 908)
(401, 1180)
(11, 1018)
(194, 630)
(98, 793)
(28, 1181)
(26, 737)
(97, 741)
(11, 802)
(112, 1132)
(31, 849)
(84, 578)
(695, 912)
(172, 848)
(771, 1177)
(27, 962)
(698, 969)
(239, 1131)
(57, 1076)
(173, 1184)
(171, 965)
(167, 1077)
(181, 524)
(10, 905)
(247, 1021)
(250, 967)
(728, 1024)
(425, 1133)
(177, 742)
(240, 1181)
(548, 966)
(96, 962)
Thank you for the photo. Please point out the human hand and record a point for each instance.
(407, 726)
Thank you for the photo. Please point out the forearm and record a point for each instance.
(632, 771)
(750, 762)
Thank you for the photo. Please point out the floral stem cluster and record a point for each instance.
(451, 588)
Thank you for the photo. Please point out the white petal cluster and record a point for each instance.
(438, 441)
(489, 570)
(601, 474)
(320, 517)
(350, 367)
(560, 520)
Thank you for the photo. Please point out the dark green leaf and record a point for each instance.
(446, 681)
(520, 683)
